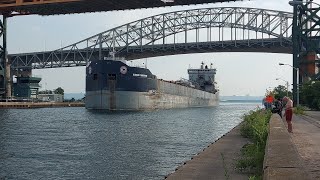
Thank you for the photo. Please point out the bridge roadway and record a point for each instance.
(70, 58)
(52, 7)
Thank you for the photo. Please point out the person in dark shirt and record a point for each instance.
(278, 106)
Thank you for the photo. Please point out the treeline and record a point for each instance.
(59, 90)
(310, 95)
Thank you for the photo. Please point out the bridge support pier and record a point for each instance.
(308, 67)
(3, 58)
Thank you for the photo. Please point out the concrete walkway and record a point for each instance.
(281, 159)
(306, 139)
(299, 156)
(215, 162)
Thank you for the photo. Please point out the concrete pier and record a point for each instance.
(216, 161)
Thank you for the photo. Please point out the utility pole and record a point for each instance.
(295, 53)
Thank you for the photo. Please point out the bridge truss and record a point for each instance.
(51, 7)
(227, 29)
(10, 8)
(306, 43)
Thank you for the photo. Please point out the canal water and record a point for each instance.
(74, 143)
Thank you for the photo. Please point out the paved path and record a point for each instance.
(215, 162)
(306, 138)
(209, 164)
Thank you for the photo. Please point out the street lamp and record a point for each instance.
(287, 84)
(297, 70)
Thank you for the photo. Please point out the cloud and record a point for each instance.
(35, 29)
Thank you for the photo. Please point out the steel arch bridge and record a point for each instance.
(225, 29)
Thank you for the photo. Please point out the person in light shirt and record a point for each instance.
(288, 105)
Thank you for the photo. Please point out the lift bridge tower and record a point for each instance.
(306, 43)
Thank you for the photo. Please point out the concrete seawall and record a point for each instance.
(26, 105)
(281, 160)
(217, 161)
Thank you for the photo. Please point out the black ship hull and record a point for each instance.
(112, 85)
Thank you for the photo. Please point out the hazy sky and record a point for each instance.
(237, 73)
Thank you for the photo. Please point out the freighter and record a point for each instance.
(113, 85)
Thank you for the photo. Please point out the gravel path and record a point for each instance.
(306, 138)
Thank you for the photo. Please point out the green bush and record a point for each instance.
(255, 178)
(299, 110)
(310, 94)
(254, 127)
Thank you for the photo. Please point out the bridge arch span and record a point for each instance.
(274, 23)
(249, 30)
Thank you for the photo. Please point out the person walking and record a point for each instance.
(269, 100)
(288, 112)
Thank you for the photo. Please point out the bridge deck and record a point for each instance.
(52, 7)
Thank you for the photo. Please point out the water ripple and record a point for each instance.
(73, 143)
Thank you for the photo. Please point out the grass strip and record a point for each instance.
(255, 128)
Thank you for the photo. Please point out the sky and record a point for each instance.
(237, 73)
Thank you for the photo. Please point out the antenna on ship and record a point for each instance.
(113, 45)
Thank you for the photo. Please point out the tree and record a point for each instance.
(310, 94)
(59, 90)
(281, 91)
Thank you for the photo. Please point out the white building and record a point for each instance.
(51, 97)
